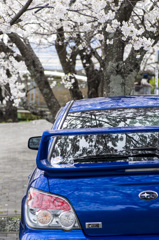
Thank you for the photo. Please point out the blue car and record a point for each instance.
(97, 174)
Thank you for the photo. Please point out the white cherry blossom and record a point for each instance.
(96, 21)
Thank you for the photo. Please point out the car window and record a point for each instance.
(106, 148)
(109, 147)
(113, 118)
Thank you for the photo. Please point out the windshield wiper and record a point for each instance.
(113, 157)
(101, 158)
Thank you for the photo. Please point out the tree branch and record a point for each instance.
(6, 49)
(20, 13)
(36, 70)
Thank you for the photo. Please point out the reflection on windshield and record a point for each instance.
(69, 148)
(113, 118)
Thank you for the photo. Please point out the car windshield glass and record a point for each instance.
(109, 147)
(123, 117)
(106, 148)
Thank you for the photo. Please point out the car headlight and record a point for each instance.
(49, 211)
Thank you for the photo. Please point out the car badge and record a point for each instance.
(148, 195)
(94, 225)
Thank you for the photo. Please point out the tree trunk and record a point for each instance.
(1, 96)
(10, 109)
(68, 66)
(93, 81)
(2, 118)
(1, 106)
(117, 83)
(120, 73)
(94, 76)
(36, 70)
(119, 76)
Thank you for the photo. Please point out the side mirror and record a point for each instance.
(34, 142)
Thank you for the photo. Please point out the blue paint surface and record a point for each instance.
(100, 192)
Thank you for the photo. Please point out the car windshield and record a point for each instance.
(108, 147)
(122, 117)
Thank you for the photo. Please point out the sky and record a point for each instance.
(50, 60)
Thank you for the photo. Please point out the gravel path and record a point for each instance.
(16, 163)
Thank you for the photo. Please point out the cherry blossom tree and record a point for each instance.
(13, 38)
(110, 37)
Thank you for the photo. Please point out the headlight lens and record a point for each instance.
(49, 211)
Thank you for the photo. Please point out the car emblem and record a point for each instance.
(94, 225)
(148, 195)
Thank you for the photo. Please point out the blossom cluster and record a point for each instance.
(97, 22)
(68, 80)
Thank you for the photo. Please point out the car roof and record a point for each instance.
(115, 102)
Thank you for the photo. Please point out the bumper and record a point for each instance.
(53, 235)
(36, 234)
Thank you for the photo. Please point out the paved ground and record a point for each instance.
(16, 163)
(8, 236)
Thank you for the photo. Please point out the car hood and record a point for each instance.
(113, 201)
